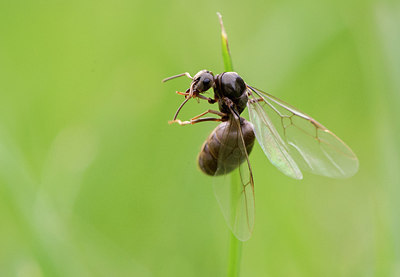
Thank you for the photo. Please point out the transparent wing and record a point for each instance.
(233, 182)
(270, 140)
(291, 139)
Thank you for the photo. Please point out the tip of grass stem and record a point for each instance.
(226, 55)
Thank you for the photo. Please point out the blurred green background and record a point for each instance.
(94, 182)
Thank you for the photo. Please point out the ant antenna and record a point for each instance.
(176, 76)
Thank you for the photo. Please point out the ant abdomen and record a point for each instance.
(222, 151)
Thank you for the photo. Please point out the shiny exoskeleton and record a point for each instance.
(223, 150)
(226, 143)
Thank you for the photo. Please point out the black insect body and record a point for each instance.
(225, 136)
(290, 139)
(230, 90)
(231, 86)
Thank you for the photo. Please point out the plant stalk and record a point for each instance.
(235, 246)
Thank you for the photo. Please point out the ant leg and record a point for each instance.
(210, 111)
(231, 106)
(256, 100)
(210, 100)
(194, 121)
(197, 118)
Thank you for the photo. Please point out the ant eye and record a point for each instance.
(206, 81)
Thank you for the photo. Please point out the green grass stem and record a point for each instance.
(235, 246)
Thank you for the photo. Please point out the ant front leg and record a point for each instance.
(212, 101)
(196, 95)
(209, 99)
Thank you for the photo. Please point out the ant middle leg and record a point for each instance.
(191, 122)
(221, 114)
(197, 118)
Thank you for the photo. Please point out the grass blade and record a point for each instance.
(235, 247)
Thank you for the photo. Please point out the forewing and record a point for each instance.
(270, 140)
(234, 190)
(304, 142)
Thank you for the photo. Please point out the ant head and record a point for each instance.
(203, 81)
